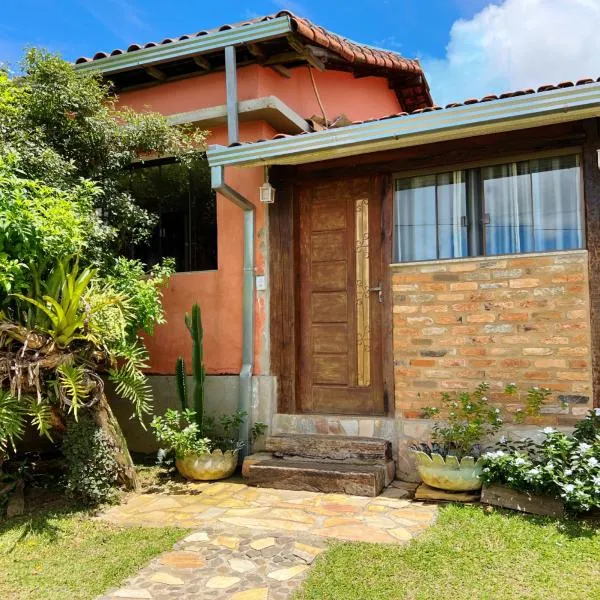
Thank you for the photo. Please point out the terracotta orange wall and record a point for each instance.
(340, 92)
(219, 293)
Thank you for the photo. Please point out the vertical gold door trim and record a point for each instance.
(363, 312)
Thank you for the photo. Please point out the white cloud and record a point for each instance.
(517, 44)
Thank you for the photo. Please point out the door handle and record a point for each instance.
(379, 291)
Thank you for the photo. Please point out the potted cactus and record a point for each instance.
(204, 448)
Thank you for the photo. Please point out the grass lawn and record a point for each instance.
(468, 554)
(61, 554)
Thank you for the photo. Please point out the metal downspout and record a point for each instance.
(217, 175)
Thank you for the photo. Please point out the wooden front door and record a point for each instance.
(340, 305)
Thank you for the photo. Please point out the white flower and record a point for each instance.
(503, 439)
(534, 471)
(583, 447)
(520, 461)
(597, 412)
(596, 481)
(548, 430)
(569, 487)
(568, 472)
(592, 461)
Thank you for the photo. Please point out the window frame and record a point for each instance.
(162, 161)
(480, 230)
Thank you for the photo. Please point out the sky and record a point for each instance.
(468, 48)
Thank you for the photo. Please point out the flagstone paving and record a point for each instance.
(256, 544)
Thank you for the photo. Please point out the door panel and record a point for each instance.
(340, 366)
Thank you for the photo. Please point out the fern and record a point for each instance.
(41, 418)
(132, 385)
(72, 382)
(12, 420)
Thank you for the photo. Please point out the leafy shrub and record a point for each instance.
(563, 466)
(180, 432)
(470, 419)
(91, 466)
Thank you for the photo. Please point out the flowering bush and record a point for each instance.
(561, 465)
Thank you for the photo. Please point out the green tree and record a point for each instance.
(70, 307)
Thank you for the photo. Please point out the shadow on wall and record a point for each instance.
(221, 394)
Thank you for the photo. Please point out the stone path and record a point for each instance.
(256, 544)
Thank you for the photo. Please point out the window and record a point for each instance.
(527, 206)
(185, 205)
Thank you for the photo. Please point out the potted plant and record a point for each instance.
(452, 462)
(204, 448)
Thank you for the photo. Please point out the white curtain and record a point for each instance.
(507, 208)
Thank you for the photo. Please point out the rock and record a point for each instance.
(253, 594)
(306, 553)
(424, 492)
(289, 573)
(199, 536)
(221, 583)
(240, 565)
(182, 560)
(166, 578)
(16, 502)
(262, 543)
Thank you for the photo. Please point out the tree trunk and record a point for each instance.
(105, 419)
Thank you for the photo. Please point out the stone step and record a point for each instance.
(358, 480)
(349, 450)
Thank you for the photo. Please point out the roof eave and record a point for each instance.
(155, 55)
(496, 116)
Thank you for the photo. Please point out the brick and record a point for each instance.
(515, 317)
(450, 297)
(543, 351)
(573, 375)
(524, 283)
(481, 318)
(422, 362)
(498, 329)
(557, 363)
(463, 285)
(463, 267)
(577, 314)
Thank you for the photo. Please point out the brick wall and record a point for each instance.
(521, 319)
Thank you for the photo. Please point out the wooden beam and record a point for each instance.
(282, 57)
(156, 73)
(306, 53)
(591, 182)
(281, 70)
(202, 62)
(257, 51)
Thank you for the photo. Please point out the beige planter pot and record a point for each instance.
(209, 466)
(449, 474)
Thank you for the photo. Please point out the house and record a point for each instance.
(409, 250)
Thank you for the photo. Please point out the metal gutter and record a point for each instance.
(233, 124)
(217, 176)
(480, 118)
(161, 53)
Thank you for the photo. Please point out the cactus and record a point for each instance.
(194, 326)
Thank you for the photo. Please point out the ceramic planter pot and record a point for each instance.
(449, 474)
(209, 466)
